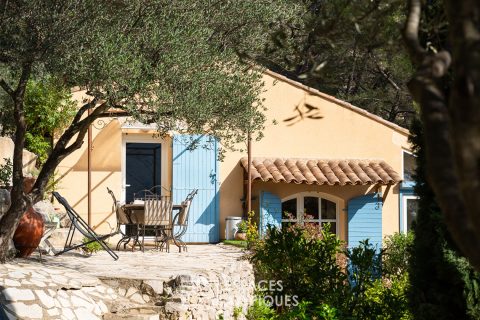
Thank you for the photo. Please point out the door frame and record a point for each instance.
(145, 138)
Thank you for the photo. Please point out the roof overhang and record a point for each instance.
(322, 172)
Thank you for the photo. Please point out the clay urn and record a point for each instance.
(30, 228)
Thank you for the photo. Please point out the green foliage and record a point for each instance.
(396, 254)
(242, 226)
(92, 247)
(170, 63)
(329, 281)
(236, 243)
(260, 310)
(6, 172)
(443, 284)
(237, 312)
(306, 266)
(253, 237)
(350, 49)
(48, 109)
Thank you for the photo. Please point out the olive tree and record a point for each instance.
(446, 86)
(170, 62)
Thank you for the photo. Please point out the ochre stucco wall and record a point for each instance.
(341, 133)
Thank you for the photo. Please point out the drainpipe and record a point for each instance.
(249, 173)
(89, 170)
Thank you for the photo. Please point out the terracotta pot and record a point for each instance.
(241, 236)
(29, 233)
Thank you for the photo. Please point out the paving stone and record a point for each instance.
(14, 294)
(53, 312)
(12, 283)
(38, 283)
(16, 275)
(63, 294)
(84, 314)
(25, 311)
(64, 302)
(68, 313)
(103, 307)
(45, 299)
(79, 302)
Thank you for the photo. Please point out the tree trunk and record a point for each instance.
(10, 220)
(451, 118)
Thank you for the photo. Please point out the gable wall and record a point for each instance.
(340, 133)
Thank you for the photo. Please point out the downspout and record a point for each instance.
(89, 170)
(249, 173)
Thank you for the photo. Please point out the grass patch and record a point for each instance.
(236, 243)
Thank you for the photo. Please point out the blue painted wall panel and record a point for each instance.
(270, 211)
(195, 167)
(365, 220)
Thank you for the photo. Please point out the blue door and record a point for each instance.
(365, 220)
(270, 211)
(195, 167)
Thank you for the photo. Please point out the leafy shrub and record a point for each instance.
(6, 170)
(242, 226)
(311, 265)
(260, 310)
(92, 247)
(306, 265)
(396, 254)
(252, 231)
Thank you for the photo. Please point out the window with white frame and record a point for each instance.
(409, 164)
(410, 209)
(310, 208)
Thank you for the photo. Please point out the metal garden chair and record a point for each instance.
(79, 224)
(179, 225)
(122, 219)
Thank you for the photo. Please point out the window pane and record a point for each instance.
(329, 209)
(409, 166)
(412, 209)
(289, 209)
(310, 206)
(332, 226)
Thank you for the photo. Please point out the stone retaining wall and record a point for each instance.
(32, 290)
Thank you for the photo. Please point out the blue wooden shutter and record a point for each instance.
(195, 167)
(365, 220)
(270, 211)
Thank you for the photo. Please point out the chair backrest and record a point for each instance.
(122, 217)
(77, 221)
(158, 210)
(143, 194)
(182, 217)
(160, 190)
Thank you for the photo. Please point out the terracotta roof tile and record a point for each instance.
(318, 171)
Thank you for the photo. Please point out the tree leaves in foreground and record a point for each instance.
(169, 62)
(350, 49)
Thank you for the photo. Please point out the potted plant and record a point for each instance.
(241, 233)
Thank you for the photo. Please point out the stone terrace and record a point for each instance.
(207, 282)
